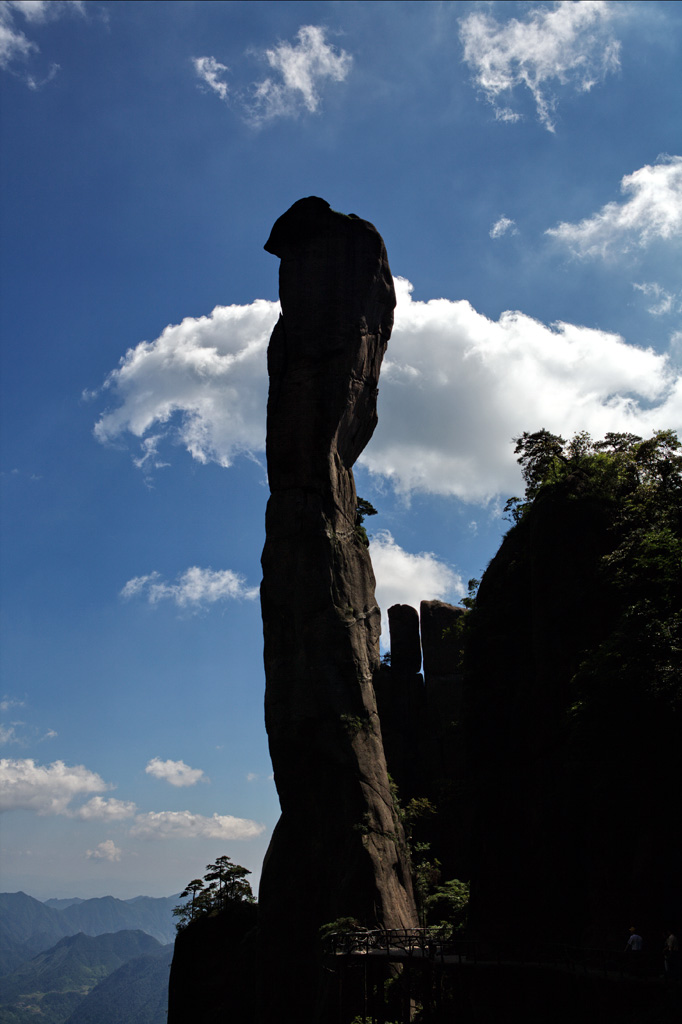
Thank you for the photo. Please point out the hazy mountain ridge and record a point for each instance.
(106, 914)
(28, 926)
(135, 993)
(57, 904)
(53, 983)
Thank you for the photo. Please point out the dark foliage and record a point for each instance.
(574, 694)
(226, 885)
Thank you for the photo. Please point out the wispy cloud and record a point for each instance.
(15, 46)
(19, 731)
(299, 71)
(652, 211)
(503, 226)
(568, 44)
(663, 302)
(211, 73)
(403, 578)
(177, 773)
(8, 734)
(8, 703)
(193, 588)
(186, 825)
(105, 851)
(8, 731)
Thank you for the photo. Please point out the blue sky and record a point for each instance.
(522, 162)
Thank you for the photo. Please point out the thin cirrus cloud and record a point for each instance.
(455, 388)
(502, 226)
(298, 72)
(186, 825)
(8, 731)
(9, 703)
(651, 211)
(21, 733)
(194, 588)
(15, 46)
(176, 773)
(662, 302)
(211, 72)
(570, 44)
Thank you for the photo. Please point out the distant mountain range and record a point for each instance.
(28, 926)
(75, 961)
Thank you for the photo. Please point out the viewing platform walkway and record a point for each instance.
(401, 944)
(387, 974)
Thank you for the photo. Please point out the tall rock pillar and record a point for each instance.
(337, 850)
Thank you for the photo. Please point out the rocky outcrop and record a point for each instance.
(406, 648)
(420, 720)
(212, 978)
(337, 849)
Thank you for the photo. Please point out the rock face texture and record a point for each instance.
(421, 721)
(406, 648)
(338, 849)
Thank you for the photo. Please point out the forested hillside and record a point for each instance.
(573, 695)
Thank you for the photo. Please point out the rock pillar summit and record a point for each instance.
(338, 849)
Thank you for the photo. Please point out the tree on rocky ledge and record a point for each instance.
(226, 885)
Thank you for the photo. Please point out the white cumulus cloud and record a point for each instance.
(99, 809)
(565, 44)
(193, 588)
(209, 372)
(403, 578)
(105, 851)
(177, 773)
(46, 789)
(455, 388)
(186, 825)
(653, 210)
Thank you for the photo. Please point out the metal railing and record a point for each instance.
(398, 944)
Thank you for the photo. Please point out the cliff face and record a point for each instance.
(571, 728)
(548, 724)
(337, 849)
(212, 976)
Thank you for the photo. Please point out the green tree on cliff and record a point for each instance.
(226, 885)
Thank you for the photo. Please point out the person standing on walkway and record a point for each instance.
(671, 956)
(634, 948)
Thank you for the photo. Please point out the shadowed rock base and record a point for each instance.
(338, 848)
